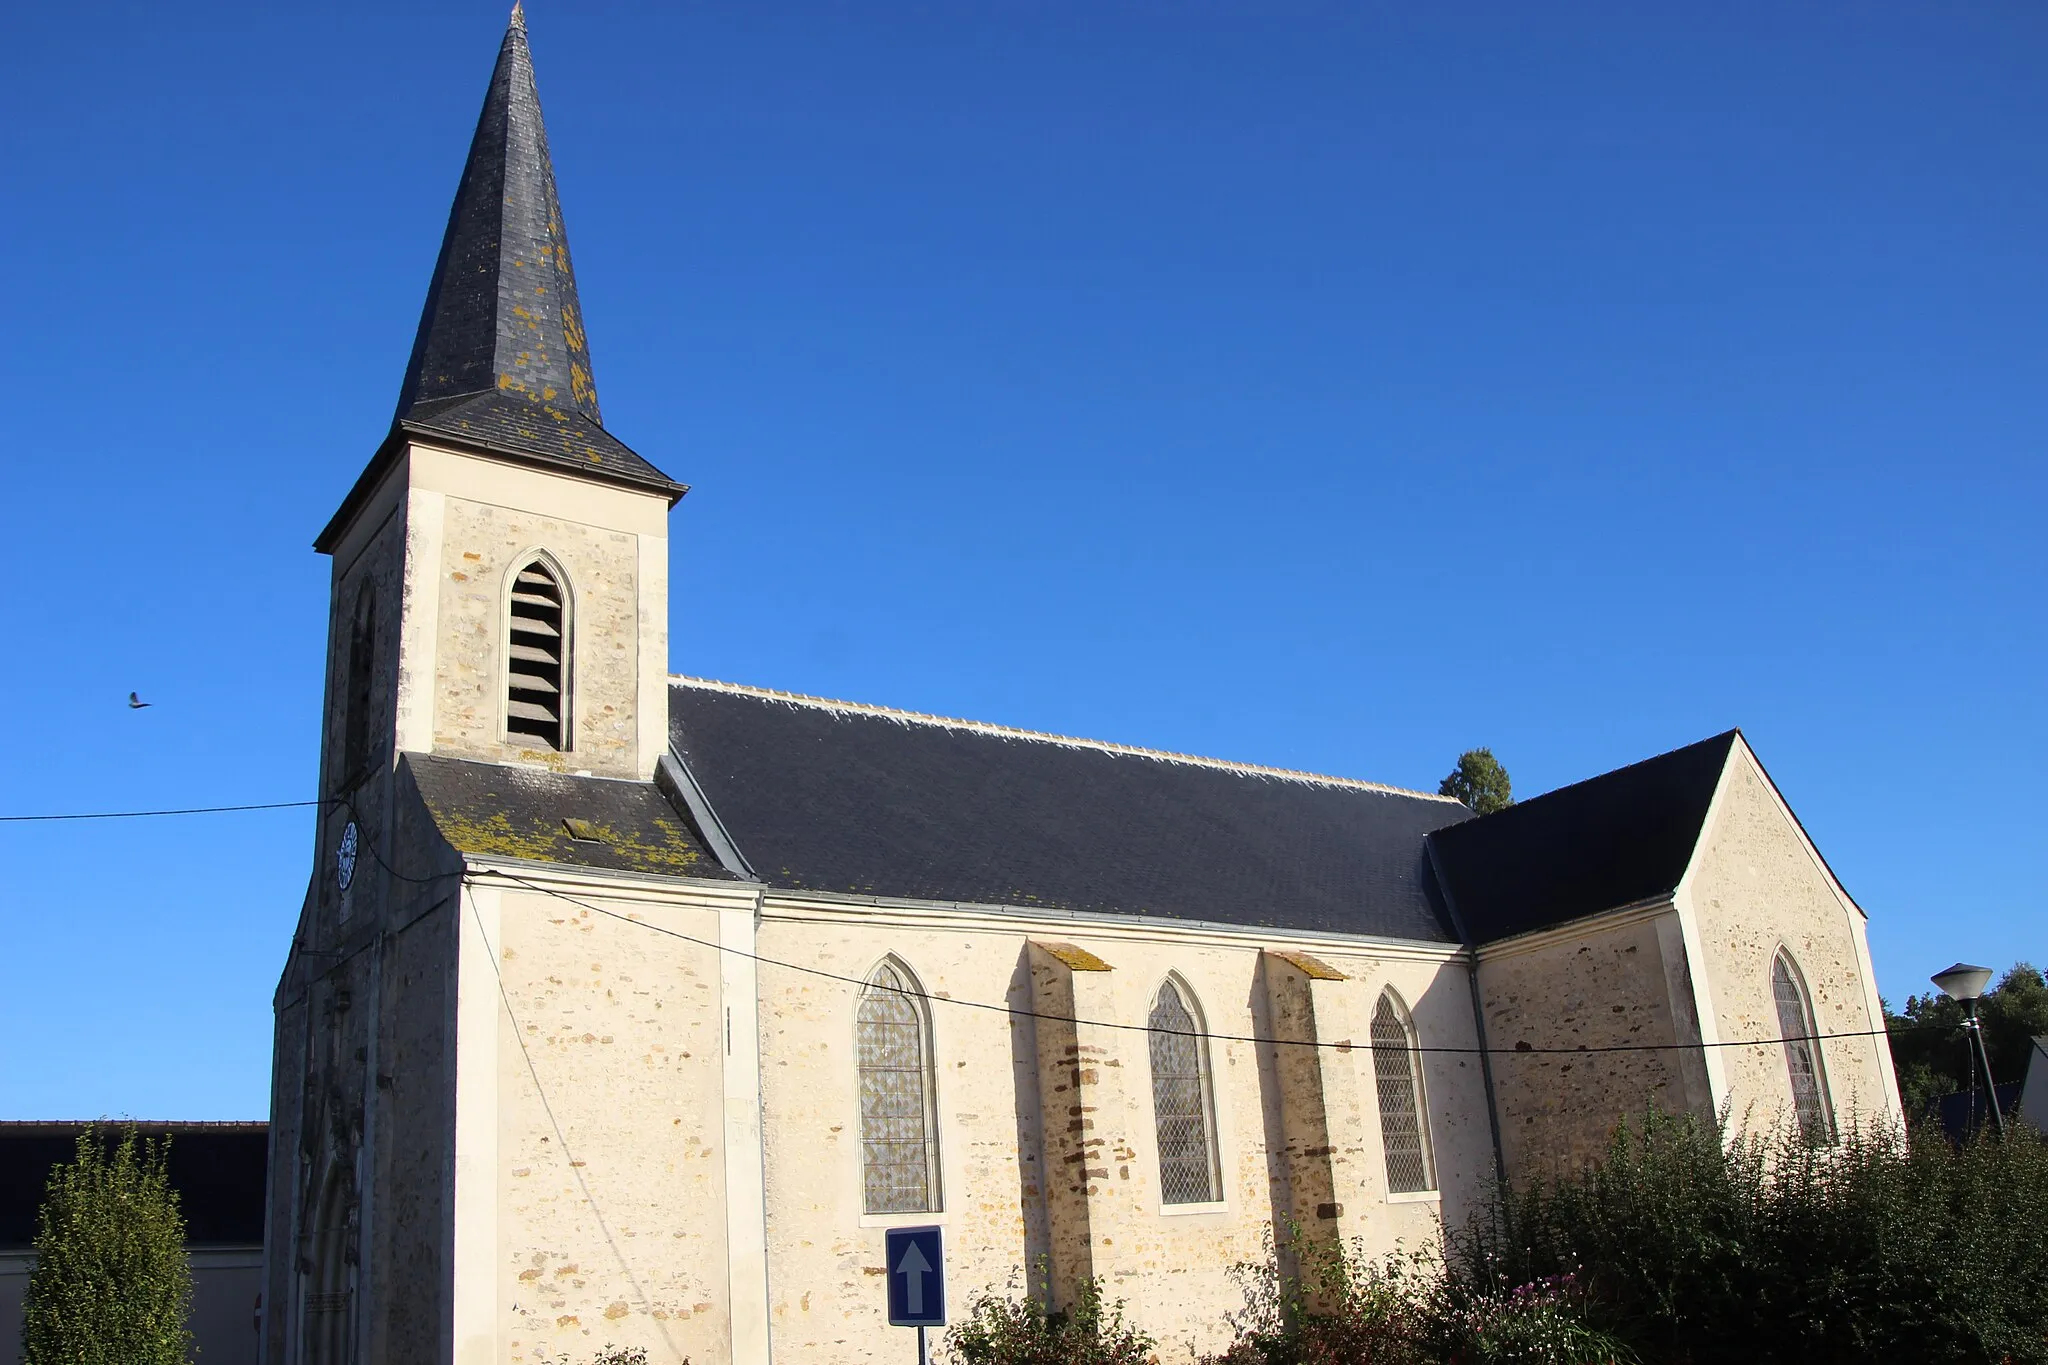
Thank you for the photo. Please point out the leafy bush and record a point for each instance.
(1351, 1308)
(111, 1284)
(1544, 1322)
(1707, 1249)
(1013, 1329)
(616, 1355)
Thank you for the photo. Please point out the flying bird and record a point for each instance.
(136, 703)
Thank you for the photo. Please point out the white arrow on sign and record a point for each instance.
(913, 1268)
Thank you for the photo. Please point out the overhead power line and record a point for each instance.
(1125, 1027)
(141, 814)
(989, 1006)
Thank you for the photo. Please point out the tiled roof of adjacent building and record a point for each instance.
(845, 798)
(216, 1168)
(1607, 842)
(497, 809)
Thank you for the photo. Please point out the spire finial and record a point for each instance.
(519, 15)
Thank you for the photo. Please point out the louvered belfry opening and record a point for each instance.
(537, 685)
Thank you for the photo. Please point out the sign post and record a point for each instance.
(916, 1261)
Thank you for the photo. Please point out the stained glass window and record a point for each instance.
(898, 1141)
(1180, 1103)
(1404, 1117)
(1802, 1053)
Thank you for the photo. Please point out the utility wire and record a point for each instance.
(1019, 1013)
(1013, 1011)
(139, 814)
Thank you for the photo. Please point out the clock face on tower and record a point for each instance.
(345, 856)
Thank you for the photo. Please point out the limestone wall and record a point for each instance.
(472, 525)
(591, 1123)
(1756, 886)
(1088, 1111)
(1615, 980)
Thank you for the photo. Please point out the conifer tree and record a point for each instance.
(1480, 782)
(111, 1284)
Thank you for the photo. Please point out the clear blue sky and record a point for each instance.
(1336, 386)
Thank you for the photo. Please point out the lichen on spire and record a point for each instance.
(502, 311)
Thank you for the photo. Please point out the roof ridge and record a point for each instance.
(862, 708)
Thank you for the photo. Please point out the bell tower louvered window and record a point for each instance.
(1404, 1114)
(537, 675)
(1802, 1053)
(899, 1146)
(1180, 1102)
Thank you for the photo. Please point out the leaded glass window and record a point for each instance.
(1404, 1115)
(898, 1139)
(1180, 1103)
(1802, 1053)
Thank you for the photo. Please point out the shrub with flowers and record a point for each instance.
(1549, 1321)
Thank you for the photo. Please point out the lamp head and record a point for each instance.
(1962, 982)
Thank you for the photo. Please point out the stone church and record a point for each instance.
(632, 1007)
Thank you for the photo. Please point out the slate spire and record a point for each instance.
(500, 364)
(502, 311)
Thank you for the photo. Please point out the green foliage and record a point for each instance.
(1928, 1047)
(111, 1284)
(1480, 782)
(1013, 1329)
(1703, 1249)
(1348, 1307)
(615, 1355)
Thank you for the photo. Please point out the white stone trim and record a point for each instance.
(650, 643)
(746, 1227)
(479, 1019)
(420, 620)
(1705, 1013)
(1010, 920)
(1584, 927)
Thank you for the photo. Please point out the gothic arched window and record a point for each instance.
(1802, 1052)
(1404, 1112)
(1181, 1109)
(327, 1310)
(362, 654)
(899, 1145)
(537, 662)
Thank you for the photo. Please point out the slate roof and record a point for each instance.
(1596, 845)
(824, 796)
(218, 1170)
(501, 363)
(492, 808)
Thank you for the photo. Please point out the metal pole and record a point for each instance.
(1976, 1028)
(922, 1357)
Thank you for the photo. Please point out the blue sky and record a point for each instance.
(1333, 386)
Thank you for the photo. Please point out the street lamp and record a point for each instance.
(1964, 984)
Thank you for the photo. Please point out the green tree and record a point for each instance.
(1929, 1048)
(111, 1284)
(1480, 782)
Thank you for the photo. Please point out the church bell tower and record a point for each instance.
(499, 594)
(500, 584)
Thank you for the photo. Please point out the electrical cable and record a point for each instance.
(1014, 1011)
(1017, 1012)
(140, 814)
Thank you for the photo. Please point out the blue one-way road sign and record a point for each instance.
(916, 1259)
